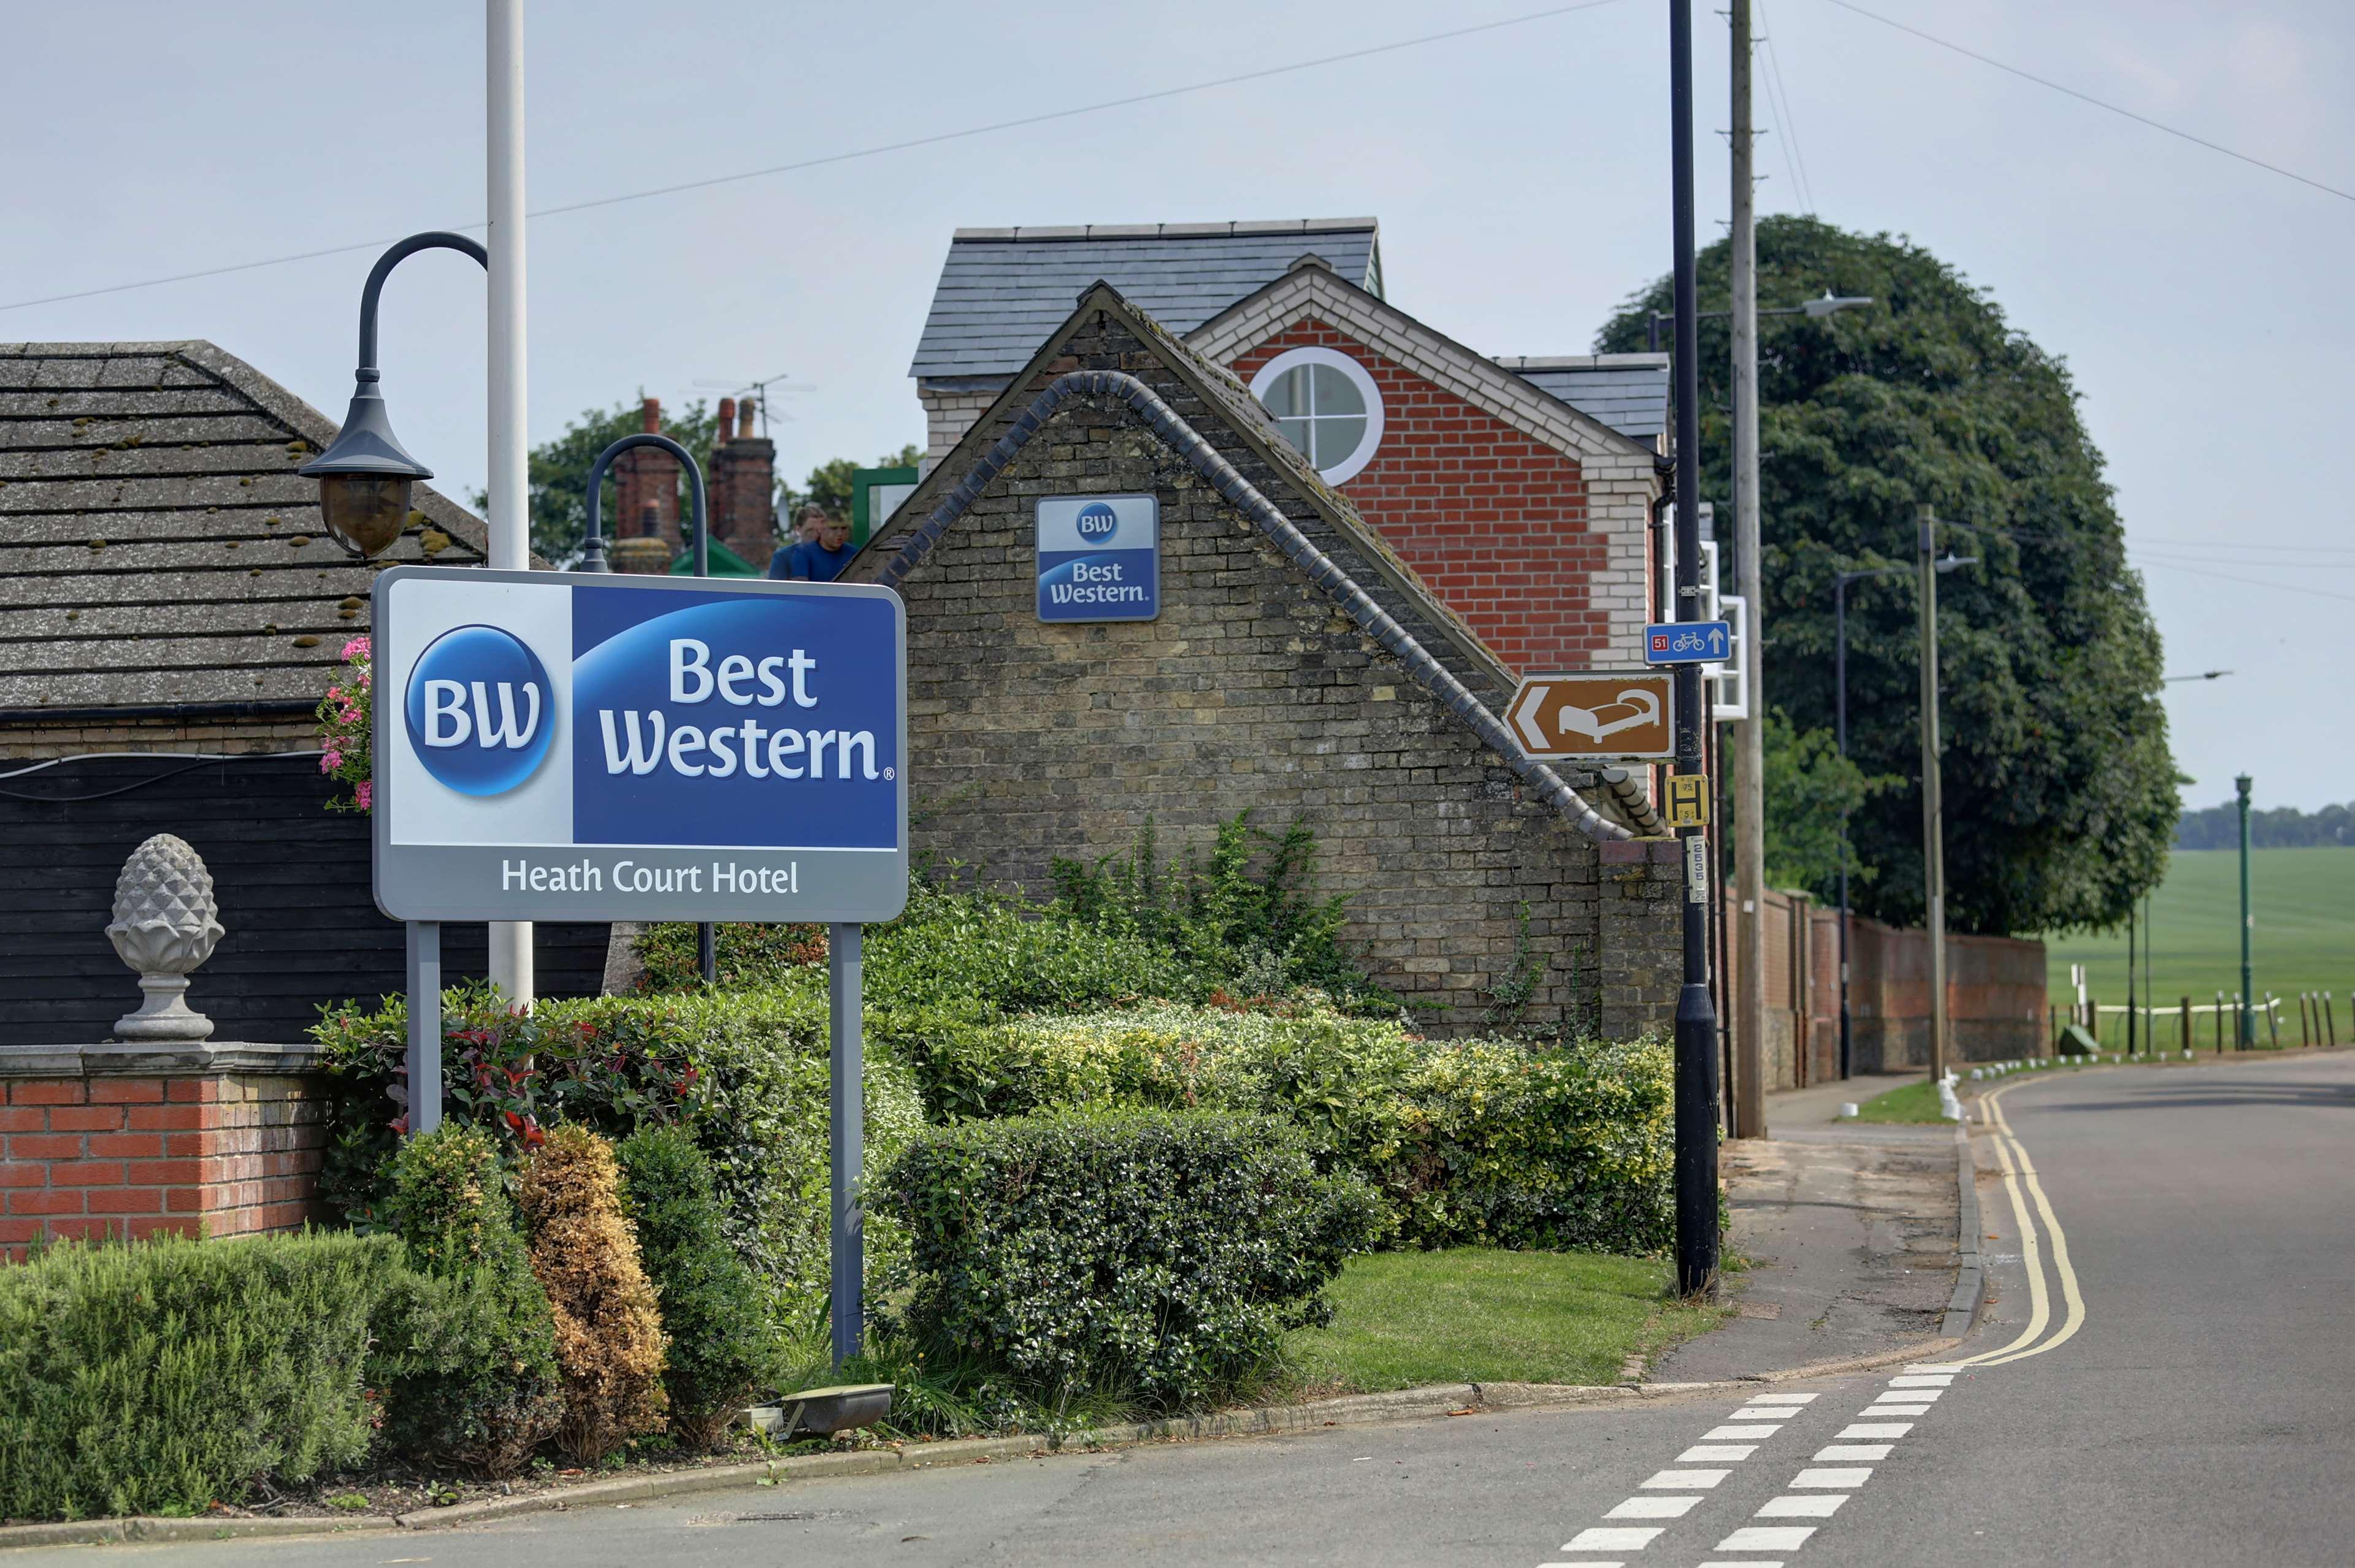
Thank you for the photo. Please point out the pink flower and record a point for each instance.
(335, 694)
(330, 760)
(358, 648)
(363, 795)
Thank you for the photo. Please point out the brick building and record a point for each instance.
(1520, 490)
(171, 614)
(1299, 667)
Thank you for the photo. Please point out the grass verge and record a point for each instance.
(1470, 1314)
(1913, 1103)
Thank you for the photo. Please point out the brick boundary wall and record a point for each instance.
(117, 1142)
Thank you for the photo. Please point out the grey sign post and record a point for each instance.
(559, 746)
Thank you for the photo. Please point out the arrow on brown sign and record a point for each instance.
(1596, 715)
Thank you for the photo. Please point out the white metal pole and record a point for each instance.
(511, 513)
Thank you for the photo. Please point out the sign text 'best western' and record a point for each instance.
(573, 747)
(1099, 558)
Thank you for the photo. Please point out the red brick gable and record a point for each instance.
(1494, 520)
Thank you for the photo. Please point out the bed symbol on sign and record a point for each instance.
(1615, 714)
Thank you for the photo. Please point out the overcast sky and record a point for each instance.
(1519, 175)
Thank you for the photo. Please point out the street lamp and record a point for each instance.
(1840, 580)
(366, 475)
(1829, 304)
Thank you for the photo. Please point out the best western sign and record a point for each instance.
(572, 747)
(1099, 558)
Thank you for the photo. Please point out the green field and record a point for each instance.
(2304, 939)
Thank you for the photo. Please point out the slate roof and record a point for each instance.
(1629, 392)
(157, 546)
(1003, 290)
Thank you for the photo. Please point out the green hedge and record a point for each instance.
(1497, 1143)
(712, 1309)
(1160, 1257)
(164, 1376)
(745, 1074)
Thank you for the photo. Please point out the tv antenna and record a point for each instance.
(759, 390)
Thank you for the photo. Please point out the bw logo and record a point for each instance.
(480, 711)
(1098, 522)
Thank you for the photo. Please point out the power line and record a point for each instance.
(1780, 96)
(2089, 98)
(2252, 581)
(875, 151)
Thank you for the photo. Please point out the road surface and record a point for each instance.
(2166, 1376)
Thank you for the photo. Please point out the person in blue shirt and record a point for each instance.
(820, 553)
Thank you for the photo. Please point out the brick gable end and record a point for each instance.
(1494, 520)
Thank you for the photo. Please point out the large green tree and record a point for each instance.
(2060, 790)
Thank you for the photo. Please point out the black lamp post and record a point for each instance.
(592, 559)
(593, 547)
(365, 475)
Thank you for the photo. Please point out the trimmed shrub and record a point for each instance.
(745, 1072)
(609, 1338)
(711, 1307)
(1158, 1255)
(466, 1345)
(164, 1376)
(1495, 1143)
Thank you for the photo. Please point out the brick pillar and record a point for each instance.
(743, 486)
(116, 1141)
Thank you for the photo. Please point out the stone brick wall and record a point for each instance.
(120, 1142)
(1493, 519)
(1252, 691)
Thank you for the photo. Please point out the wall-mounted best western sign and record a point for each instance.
(1099, 558)
(572, 747)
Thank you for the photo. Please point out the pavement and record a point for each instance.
(1848, 1231)
(2161, 1376)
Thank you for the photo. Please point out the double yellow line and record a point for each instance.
(2018, 1170)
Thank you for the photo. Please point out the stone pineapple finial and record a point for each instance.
(164, 925)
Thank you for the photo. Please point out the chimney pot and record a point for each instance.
(727, 419)
(744, 415)
(650, 416)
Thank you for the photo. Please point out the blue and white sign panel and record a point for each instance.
(1099, 558)
(1688, 642)
(558, 746)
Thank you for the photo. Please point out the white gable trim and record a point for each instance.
(1313, 291)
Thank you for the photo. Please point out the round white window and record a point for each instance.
(1326, 406)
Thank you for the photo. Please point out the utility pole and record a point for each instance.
(1934, 827)
(2248, 921)
(510, 504)
(1696, 1092)
(1749, 742)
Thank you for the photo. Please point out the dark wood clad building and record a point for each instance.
(170, 614)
